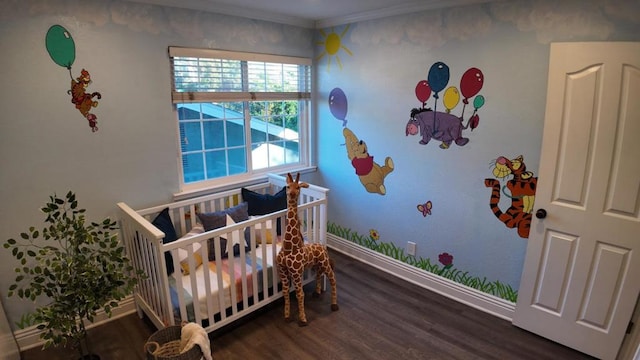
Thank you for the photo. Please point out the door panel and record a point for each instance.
(580, 279)
(578, 123)
(558, 255)
(623, 196)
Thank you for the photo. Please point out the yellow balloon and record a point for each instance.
(451, 98)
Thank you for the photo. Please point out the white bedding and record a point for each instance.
(230, 272)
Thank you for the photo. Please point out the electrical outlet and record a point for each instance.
(411, 248)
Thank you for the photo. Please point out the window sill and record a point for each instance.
(195, 192)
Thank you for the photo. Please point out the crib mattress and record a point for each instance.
(227, 267)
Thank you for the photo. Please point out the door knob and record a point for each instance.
(541, 213)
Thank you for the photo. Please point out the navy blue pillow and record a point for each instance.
(164, 224)
(262, 204)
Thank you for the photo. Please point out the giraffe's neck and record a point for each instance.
(292, 237)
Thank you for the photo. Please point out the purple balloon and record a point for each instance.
(338, 104)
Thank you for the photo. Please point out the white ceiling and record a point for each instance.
(312, 13)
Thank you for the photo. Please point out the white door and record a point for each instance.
(581, 275)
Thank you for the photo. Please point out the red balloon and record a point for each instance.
(423, 91)
(475, 120)
(471, 82)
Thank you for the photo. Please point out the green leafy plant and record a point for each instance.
(77, 268)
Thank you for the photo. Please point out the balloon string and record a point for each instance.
(464, 105)
(435, 107)
(70, 75)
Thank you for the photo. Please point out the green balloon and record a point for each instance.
(478, 101)
(60, 46)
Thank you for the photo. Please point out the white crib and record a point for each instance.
(214, 293)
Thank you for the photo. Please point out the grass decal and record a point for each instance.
(444, 269)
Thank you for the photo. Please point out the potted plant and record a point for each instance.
(77, 268)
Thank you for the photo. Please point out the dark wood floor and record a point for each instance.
(380, 317)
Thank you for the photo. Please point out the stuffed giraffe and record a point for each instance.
(295, 257)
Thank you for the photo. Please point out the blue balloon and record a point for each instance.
(438, 77)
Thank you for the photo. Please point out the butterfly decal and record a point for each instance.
(425, 208)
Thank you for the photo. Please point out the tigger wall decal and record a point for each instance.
(62, 49)
(522, 191)
(84, 101)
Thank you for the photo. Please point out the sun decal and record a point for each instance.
(332, 43)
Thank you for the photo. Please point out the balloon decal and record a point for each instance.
(444, 125)
(471, 83)
(438, 77)
(60, 46)
(62, 50)
(338, 105)
(451, 98)
(477, 104)
(423, 91)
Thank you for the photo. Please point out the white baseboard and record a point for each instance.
(477, 299)
(30, 337)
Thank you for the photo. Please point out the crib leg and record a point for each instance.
(139, 310)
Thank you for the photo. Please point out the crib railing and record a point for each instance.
(257, 286)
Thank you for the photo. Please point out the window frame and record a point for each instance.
(304, 115)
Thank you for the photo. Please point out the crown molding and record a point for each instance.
(400, 9)
(233, 10)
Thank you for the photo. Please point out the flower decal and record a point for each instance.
(374, 235)
(446, 259)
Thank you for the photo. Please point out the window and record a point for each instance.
(239, 114)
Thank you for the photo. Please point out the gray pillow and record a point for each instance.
(218, 219)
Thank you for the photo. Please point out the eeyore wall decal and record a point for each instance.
(439, 125)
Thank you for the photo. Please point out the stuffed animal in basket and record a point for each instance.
(192, 335)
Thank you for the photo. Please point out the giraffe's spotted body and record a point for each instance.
(295, 257)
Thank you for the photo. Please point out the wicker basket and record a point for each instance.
(165, 345)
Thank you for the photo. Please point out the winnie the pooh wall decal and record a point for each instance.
(370, 173)
(443, 125)
(62, 50)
